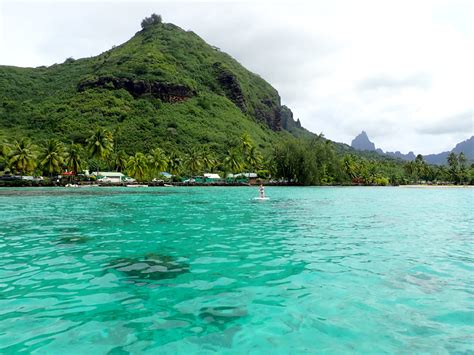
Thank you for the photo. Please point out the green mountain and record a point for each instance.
(164, 87)
(167, 88)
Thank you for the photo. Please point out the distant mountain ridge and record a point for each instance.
(362, 142)
(467, 147)
(409, 156)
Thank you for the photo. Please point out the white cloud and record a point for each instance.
(460, 124)
(342, 66)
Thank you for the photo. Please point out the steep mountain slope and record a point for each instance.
(467, 147)
(165, 86)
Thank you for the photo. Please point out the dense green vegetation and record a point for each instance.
(54, 157)
(318, 162)
(295, 161)
(166, 100)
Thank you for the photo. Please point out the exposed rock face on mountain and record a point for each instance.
(287, 120)
(164, 91)
(362, 142)
(231, 86)
(270, 114)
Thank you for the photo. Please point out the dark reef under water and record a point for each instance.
(149, 267)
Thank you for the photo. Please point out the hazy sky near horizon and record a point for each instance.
(400, 70)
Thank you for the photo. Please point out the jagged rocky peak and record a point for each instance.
(362, 142)
(410, 156)
(287, 120)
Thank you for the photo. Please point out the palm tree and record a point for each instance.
(158, 161)
(245, 142)
(52, 157)
(442, 173)
(5, 151)
(100, 145)
(422, 169)
(350, 166)
(175, 164)
(74, 160)
(411, 170)
(137, 166)
(116, 135)
(453, 166)
(208, 160)
(370, 174)
(233, 162)
(246, 145)
(462, 167)
(119, 160)
(270, 164)
(253, 158)
(23, 156)
(194, 161)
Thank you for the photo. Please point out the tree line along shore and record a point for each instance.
(293, 162)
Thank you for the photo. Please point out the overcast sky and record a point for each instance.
(400, 70)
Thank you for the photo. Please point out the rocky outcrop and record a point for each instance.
(267, 109)
(271, 116)
(287, 120)
(164, 91)
(362, 142)
(230, 85)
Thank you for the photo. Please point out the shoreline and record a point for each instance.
(84, 186)
(436, 186)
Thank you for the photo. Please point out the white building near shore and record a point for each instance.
(113, 177)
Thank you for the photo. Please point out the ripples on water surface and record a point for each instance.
(208, 269)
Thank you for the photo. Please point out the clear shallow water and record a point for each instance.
(332, 270)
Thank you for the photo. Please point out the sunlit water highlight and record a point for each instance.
(200, 270)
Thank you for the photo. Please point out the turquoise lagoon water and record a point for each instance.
(202, 270)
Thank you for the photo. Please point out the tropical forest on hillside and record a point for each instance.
(295, 161)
